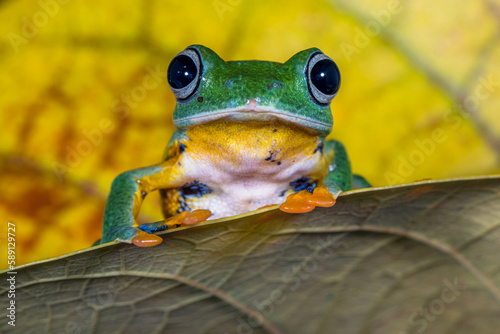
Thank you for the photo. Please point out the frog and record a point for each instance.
(247, 135)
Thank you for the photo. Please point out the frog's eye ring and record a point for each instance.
(184, 74)
(323, 78)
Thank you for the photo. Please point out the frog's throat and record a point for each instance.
(243, 114)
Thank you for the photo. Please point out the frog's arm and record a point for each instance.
(337, 180)
(339, 176)
(124, 201)
(125, 198)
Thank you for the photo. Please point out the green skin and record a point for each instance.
(224, 88)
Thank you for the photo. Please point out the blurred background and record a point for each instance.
(420, 94)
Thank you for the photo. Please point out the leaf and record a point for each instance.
(414, 258)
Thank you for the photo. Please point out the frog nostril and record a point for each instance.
(252, 104)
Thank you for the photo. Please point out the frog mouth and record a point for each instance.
(255, 114)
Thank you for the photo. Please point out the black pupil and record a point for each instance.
(325, 76)
(181, 71)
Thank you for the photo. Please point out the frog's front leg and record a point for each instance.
(338, 179)
(339, 175)
(124, 201)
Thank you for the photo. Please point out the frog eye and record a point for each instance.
(184, 73)
(323, 78)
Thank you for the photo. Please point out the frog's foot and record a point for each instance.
(186, 218)
(130, 234)
(322, 197)
(303, 201)
(297, 203)
(145, 238)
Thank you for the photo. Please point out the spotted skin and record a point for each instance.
(231, 160)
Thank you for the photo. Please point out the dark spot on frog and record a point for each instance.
(271, 156)
(275, 130)
(179, 164)
(191, 189)
(195, 188)
(311, 188)
(151, 229)
(182, 148)
(200, 99)
(319, 148)
(229, 82)
(143, 194)
(303, 183)
(275, 84)
(183, 206)
(279, 163)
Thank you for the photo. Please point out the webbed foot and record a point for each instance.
(145, 238)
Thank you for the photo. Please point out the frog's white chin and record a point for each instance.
(244, 114)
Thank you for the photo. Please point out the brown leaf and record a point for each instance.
(419, 258)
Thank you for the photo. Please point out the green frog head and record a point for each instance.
(208, 88)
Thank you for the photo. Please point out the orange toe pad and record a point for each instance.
(186, 218)
(303, 201)
(195, 217)
(297, 203)
(321, 197)
(144, 239)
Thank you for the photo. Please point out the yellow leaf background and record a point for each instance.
(420, 94)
